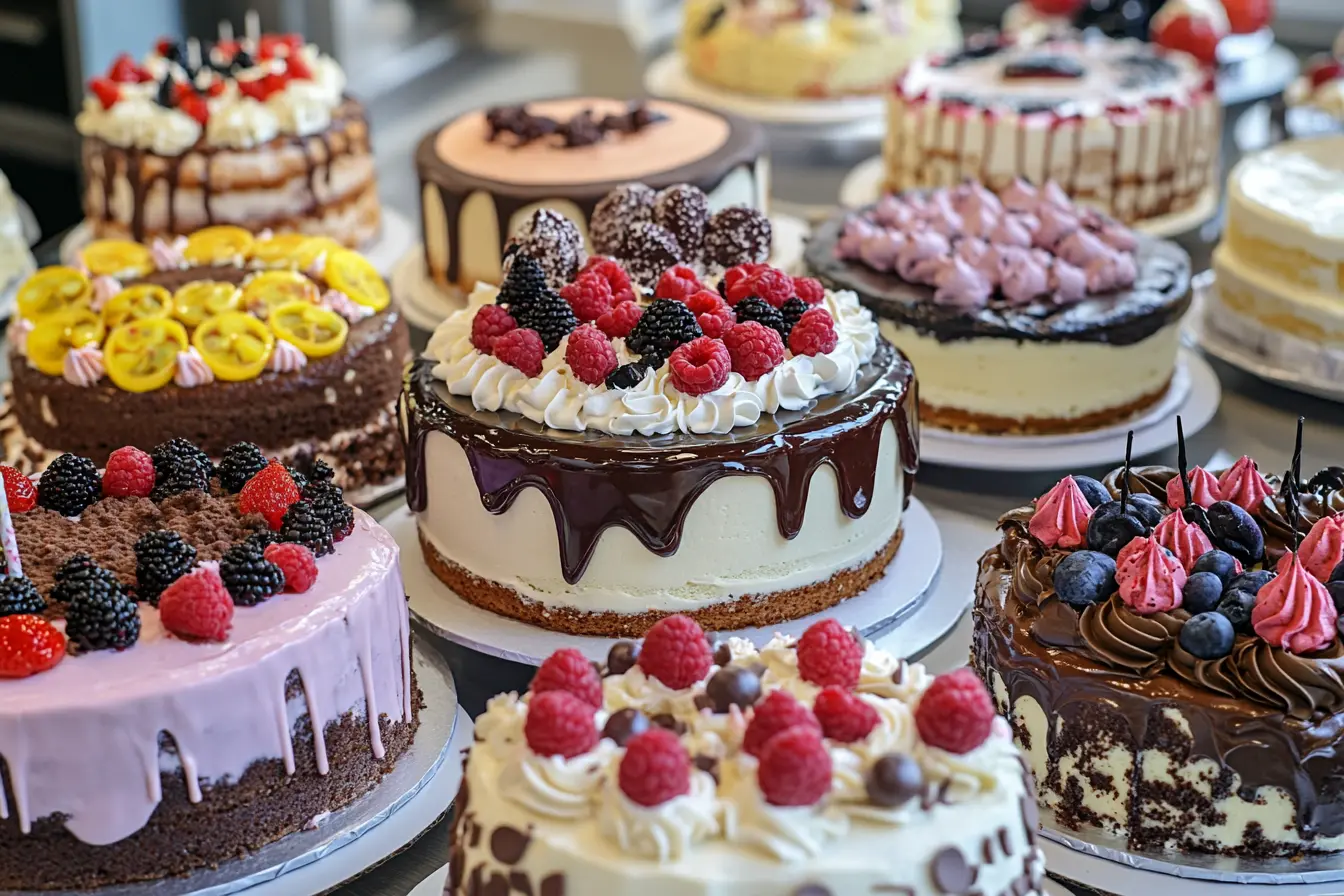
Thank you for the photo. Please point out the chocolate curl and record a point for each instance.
(13, 564)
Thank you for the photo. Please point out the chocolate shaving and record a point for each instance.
(582, 129)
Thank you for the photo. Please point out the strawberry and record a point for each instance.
(29, 644)
(106, 91)
(269, 493)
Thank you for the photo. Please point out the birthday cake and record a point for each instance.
(1167, 651)
(195, 661)
(812, 767)
(219, 337)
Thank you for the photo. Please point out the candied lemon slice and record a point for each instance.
(284, 250)
(236, 346)
(122, 259)
(196, 301)
(223, 244)
(56, 334)
(141, 355)
(140, 302)
(318, 245)
(353, 275)
(317, 331)
(271, 289)
(53, 290)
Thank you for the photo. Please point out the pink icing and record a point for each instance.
(1061, 516)
(971, 249)
(104, 288)
(286, 357)
(1053, 194)
(1012, 230)
(980, 220)
(1243, 485)
(223, 703)
(1024, 277)
(970, 198)
(856, 230)
(1110, 272)
(941, 216)
(83, 366)
(346, 307)
(923, 246)
(1294, 611)
(1080, 248)
(880, 250)
(1068, 283)
(1020, 196)
(1183, 538)
(1323, 548)
(962, 286)
(1117, 236)
(1056, 224)
(1203, 489)
(892, 212)
(191, 371)
(1150, 579)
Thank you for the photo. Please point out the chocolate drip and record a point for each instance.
(594, 481)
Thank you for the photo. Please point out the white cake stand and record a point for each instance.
(899, 598)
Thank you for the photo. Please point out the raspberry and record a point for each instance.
(29, 644)
(655, 768)
(809, 290)
(712, 313)
(843, 716)
(269, 493)
(69, 485)
(296, 562)
(755, 349)
(829, 655)
(161, 558)
(735, 274)
(589, 297)
(521, 349)
(700, 366)
(814, 334)
(955, 714)
(678, 282)
(129, 474)
(589, 355)
(19, 490)
(197, 606)
(620, 320)
(241, 461)
(676, 652)
(779, 711)
(775, 287)
(195, 106)
(560, 724)
(610, 270)
(490, 322)
(106, 90)
(568, 670)
(795, 768)
(124, 70)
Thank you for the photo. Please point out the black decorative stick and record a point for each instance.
(1180, 461)
(1294, 477)
(1124, 480)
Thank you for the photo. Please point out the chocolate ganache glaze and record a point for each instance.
(647, 485)
(1159, 297)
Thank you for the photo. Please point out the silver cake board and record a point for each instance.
(899, 598)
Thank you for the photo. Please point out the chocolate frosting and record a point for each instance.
(1160, 296)
(647, 485)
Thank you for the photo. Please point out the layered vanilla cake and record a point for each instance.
(1121, 125)
(591, 460)
(484, 174)
(189, 673)
(1022, 311)
(257, 133)
(686, 768)
(812, 49)
(1171, 666)
(1279, 288)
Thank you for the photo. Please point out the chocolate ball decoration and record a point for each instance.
(624, 725)
(683, 210)
(622, 657)
(894, 780)
(733, 686)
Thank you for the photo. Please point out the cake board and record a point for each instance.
(409, 800)
(1154, 430)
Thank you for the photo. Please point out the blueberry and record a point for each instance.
(1148, 509)
(1337, 574)
(1095, 493)
(1336, 589)
(1250, 581)
(1202, 592)
(1237, 607)
(1208, 636)
(1220, 563)
(1084, 578)
(1110, 529)
(1236, 531)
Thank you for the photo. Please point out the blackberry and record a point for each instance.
(74, 575)
(758, 309)
(302, 525)
(321, 472)
(69, 485)
(299, 479)
(19, 595)
(550, 315)
(249, 577)
(329, 504)
(179, 466)
(792, 310)
(241, 462)
(665, 325)
(263, 538)
(177, 450)
(101, 615)
(627, 376)
(161, 558)
(525, 283)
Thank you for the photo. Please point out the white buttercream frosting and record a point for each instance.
(663, 832)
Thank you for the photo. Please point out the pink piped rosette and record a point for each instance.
(1243, 485)
(1186, 541)
(1323, 548)
(1204, 489)
(1061, 516)
(1150, 578)
(1294, 611)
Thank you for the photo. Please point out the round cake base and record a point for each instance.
(957, 420)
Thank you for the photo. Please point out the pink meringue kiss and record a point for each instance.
(1053, 194)
(1243, 485)
(1294, 611)
(1111, 272)
(1024, 278)
(880, 250)
(1323, 548)
(892, 212)
(1117, 236)
(1013, 230)
(1067, 282)
(1150, 579)
(1020, 196)
(1061, 516)
(921, 247)
(960, 285)
(1055, 226)
(1183, 538)
(1080, 248)
(1204, 489)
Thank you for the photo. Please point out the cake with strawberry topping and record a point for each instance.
(1320, 88)
(741, 453)
(1166, 644)
(195, 661)
(217, 336)
(681, 766)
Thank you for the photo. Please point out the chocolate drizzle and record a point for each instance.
(647, 485)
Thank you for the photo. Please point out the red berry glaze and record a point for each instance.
(560, 724)
(679, 282)
(829, 655)
(28, 645)
(589, 297)
(655, 768)
(620, 320)
(676, 652)
(522, 349)
(755, 349)
(775, 287)
(712, 313)
(269, 493)
(296, 562)
(610, 269)
(20, 492)
(490, 322)
(570, 671)
(809, 290)
(129, 474)
(197, 606)
(956, 713)
(106, 90)
(589, 355)
(795, 768)
(779, 711)
(701, 365)
(814, 334)
(843, 716)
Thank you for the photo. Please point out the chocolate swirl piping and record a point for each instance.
(1119, 637)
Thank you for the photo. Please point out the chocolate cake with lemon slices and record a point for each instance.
(218, 337)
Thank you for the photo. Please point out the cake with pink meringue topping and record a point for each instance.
(1022, 311)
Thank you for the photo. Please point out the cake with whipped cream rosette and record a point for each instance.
(741, 454)
(1168, 652)
(257, 133)
(1320, 87)
(1022, 311)
(821, 766)
(195, 662)
(217, 336)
